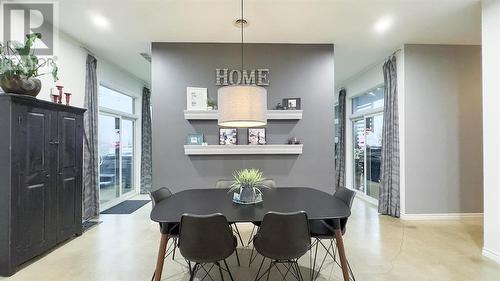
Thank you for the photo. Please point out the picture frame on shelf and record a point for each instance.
(194, 139)
(256, 136)
(228, 136)
(292, 103)
(196, 98)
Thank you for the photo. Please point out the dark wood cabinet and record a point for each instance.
(40, 177)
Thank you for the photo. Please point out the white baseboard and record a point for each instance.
(450, 216)
(491, 255)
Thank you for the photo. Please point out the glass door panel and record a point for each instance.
(109, 157)
(127, 146)
(373, 137)
(359, 154)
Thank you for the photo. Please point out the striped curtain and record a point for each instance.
(389, 200)
(340, 151)
(146, 145)
(90, 149)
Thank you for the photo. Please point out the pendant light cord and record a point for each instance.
(242, 26)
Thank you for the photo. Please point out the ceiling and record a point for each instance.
(127, 27)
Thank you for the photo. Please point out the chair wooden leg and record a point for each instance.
(161, 256)
(343, 258)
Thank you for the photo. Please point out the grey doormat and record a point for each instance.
(126, 207)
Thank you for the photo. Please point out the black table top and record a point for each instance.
(317, 204)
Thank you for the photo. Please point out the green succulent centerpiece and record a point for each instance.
(248, 184)
(20, 67)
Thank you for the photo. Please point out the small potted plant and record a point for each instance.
(211, 105)
(248, 184)
(19, 67)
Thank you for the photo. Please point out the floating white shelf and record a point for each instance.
(271, 114)
(274, 149)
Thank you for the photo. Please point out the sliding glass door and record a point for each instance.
(109, 157)
(373, 151)
(367, 122)
(367, 154)
(116, 146)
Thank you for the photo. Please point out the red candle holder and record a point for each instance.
(60, 89)
(55, 98)
(68, 98)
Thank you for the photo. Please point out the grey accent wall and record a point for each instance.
(296, 70)
(443, 116)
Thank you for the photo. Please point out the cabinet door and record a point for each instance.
(34, 190)
(69, 213)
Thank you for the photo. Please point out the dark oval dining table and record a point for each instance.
(317, 204)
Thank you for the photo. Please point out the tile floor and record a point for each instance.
(124, 247)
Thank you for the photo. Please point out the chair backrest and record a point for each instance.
(227, 183)
(347, 196)
(159, 195)
(206, 239)
(283, 236)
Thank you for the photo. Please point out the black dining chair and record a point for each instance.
(324, 230)
(166, 228)
(222, 183)
(206, 239)
(283, 238)
(256, 224)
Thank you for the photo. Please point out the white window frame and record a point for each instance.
(351, 119)
(134, 118)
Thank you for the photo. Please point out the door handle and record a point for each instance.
(54, 142)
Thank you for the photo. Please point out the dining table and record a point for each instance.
(318, 205)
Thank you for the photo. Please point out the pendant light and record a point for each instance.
(242, 106)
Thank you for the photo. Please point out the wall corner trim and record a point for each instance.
(449, 216)
(491, 255)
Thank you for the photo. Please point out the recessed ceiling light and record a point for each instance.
(100, 21)
(383, 24)
(371, 94)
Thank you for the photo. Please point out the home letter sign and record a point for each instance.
(225, 77)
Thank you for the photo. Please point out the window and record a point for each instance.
(116, 145)
(367, 123)
(116, 101)
(370, 100)
(337, 131)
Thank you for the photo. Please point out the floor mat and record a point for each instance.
(125, 207)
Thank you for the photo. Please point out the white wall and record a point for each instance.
(71, 60)
(443, 141)
(491, 126)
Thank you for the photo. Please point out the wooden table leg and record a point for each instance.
(161, 257)
(343, 258)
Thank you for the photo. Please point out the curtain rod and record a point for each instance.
(369, 67)
(88, 51)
